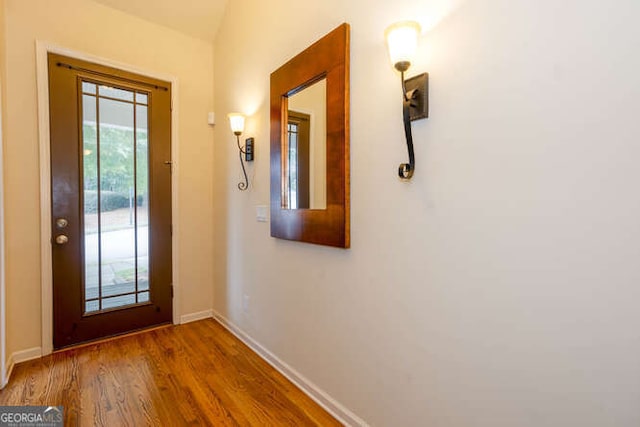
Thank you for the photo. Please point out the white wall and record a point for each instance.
(500, 286)
(91, 28)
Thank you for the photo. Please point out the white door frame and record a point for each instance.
(42, 49)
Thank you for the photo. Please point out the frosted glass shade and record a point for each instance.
(236, 121)
(402, 41)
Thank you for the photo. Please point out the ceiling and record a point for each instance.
(197, 18)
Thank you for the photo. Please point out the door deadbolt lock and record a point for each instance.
(61, 239)
(61, 223)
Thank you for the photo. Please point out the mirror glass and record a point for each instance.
(305, 149)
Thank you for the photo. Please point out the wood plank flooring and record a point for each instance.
(196, 374)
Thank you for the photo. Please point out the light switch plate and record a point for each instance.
(261, 213)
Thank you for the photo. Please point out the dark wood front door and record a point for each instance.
(111, 200)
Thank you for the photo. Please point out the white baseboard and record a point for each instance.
(18, 357)
(193, 317)
(7, 375)
(25, 355)
(339, 412)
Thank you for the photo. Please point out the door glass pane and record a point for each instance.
(90, 185)
(115, 302)
(141, 98)
(117, 234)
(115, 164)
(142, 197)
(112, 92)
(89, 88)
(91, 306)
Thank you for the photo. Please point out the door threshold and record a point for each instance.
(112, 338)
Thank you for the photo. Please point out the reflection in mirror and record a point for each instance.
(305, 150)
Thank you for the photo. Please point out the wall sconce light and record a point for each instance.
(402, 40)
(236, 121)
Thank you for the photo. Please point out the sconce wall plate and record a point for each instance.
(248, 149)
(420, 100)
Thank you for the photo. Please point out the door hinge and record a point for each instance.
(171, 287)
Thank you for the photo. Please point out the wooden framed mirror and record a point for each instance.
(310, 144)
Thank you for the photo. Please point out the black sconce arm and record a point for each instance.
(405, 170)
(242, 185)
(414, 106)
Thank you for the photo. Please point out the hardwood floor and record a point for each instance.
(194, 374)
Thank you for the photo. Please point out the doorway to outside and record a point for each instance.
(111, 200)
